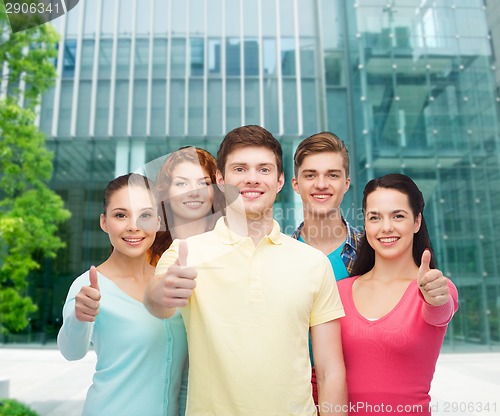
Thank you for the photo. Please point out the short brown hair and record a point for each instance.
(249, 136)
(320, 143)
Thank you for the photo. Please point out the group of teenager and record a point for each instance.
(204, 307)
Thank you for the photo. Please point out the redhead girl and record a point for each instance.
(189, 199)
(397, 306)
(141, 360)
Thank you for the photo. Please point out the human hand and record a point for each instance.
(432, 283)
(87, 300)
(174, 288)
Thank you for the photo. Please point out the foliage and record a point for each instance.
(10, 407)
(29, 55)
(29, 211)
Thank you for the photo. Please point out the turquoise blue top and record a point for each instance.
(141, 360)
(336, 261)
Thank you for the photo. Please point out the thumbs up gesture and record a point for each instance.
(87, 299)
(432, 283)
(174, 288)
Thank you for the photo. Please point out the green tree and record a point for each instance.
(11, 407)
(30, 211)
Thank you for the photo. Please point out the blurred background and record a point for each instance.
(411, 86)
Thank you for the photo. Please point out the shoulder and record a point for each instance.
(345, 285)
(199, 239)
(347, 282)
(202, 242)
(304, 259)
(201, 246)
(202, 238)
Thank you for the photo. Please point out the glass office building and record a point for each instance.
(408, 84)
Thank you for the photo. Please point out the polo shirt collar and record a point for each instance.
(227, 236)
(275, 234)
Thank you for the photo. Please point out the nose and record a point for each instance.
(252, 176)
(133, 223)
(321, 182)
(193, 190)
(386, 225)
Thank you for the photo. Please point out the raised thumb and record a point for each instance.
(183, 253)
(93, 278)
(424, 264)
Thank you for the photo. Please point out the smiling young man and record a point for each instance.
(321, 167)
(251, 295)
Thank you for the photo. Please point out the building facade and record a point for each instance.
(408, 84)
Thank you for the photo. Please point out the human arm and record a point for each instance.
(79, 313)
(330, 368)
(173, 283)
(439, 294)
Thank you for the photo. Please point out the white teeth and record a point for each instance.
(389, 240)
(132, 240)
(321, 196)
(251, 194)
(193, 203)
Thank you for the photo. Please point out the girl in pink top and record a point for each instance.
(397, 306)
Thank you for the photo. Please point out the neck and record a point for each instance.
(324, 232)
(255, 227)
(403, 268)
(189, 228)
(123, 266)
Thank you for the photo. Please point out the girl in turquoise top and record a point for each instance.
(141, 360)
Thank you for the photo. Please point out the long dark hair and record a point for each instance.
(365, 259)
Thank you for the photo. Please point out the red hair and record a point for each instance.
(189, 154)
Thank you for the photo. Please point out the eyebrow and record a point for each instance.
(187, 179)
(126, 209)
(396, 211)
(315, 170)
(246, 164)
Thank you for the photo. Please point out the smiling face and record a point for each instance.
(254, 172)
(130, 220)
(190, 193)
(321, 183)
(390, 223)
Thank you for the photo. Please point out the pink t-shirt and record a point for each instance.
(390, 361)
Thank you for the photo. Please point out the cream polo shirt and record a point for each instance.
(248, 322)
